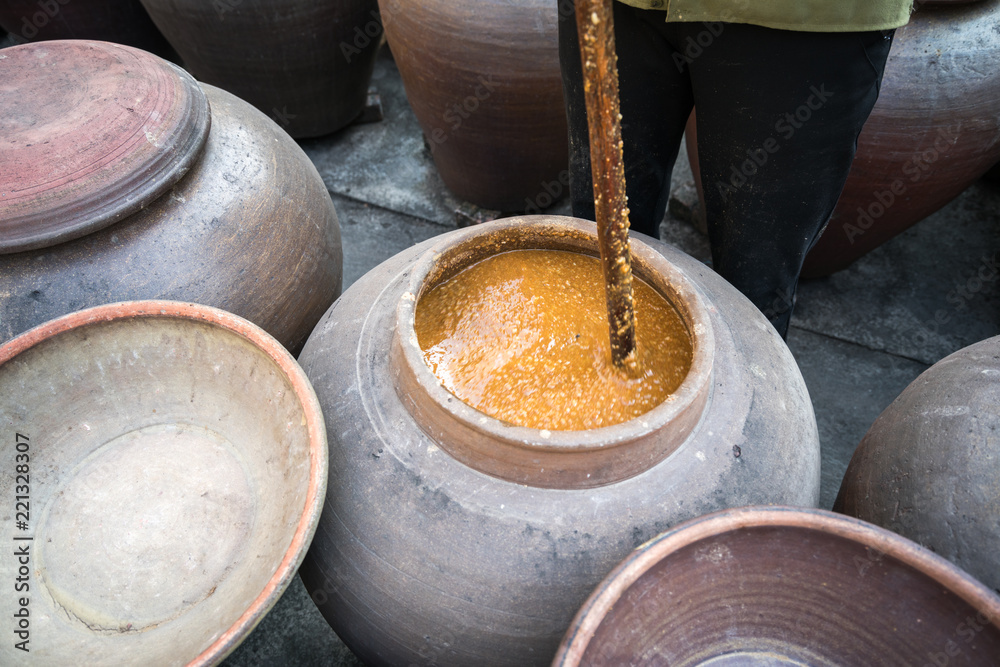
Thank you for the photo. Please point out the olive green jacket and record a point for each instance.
(808, 15)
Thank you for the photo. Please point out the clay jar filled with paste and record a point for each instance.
(452, 537)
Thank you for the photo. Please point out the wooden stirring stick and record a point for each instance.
(595, 28)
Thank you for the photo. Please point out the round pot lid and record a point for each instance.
(90, 132)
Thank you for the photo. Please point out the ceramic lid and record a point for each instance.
(90, 132)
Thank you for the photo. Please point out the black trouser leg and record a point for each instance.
(778, 113)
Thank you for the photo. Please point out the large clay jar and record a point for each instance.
(482, 77)
(120, 21)
(452, 538)
(304, 63)
(934, 130)
(124, 180)
(929, 467)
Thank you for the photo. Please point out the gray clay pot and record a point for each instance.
(451, 538)
(249, 228)
(929, 467)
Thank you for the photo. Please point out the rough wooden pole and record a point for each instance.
(595, 28)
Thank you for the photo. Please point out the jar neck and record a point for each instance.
(540, 457)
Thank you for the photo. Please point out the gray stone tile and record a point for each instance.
(385, 163)
(371, 235)
(930, 291)
(849, 386)
(683, 235)
(293, 634)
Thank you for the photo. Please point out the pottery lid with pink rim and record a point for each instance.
(90, 132)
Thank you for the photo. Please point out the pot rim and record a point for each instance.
(308, 520)
(543, 457)
(593, 611)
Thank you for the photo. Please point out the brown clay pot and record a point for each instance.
(933, 132)
(779, 586)
(120, 21)
(304, 63)
(452, 538)
(159, 206)
(483, 79)
(175, 462)
(929, 467)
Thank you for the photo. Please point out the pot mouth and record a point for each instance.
(541, 457)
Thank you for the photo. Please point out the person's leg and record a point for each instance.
(655, 99)
(778, 115)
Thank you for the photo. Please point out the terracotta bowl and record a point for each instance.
(784, 586)
(172, 462)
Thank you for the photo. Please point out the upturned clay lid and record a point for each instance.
(90, 132)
